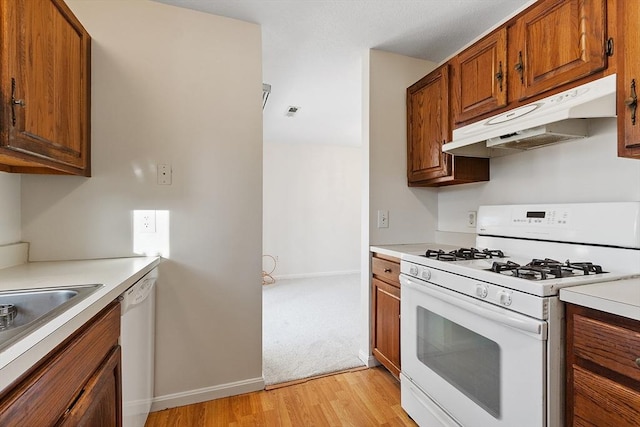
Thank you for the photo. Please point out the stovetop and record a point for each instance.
(537, 276)
(535, 269)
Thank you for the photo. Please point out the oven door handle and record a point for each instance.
(502, 316)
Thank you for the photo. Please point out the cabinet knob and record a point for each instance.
(638, 362)
(632, 102)
(519, 67)
(500, 76)
(387, 270)
(14, 102)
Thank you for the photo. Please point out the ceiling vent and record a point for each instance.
(292, 111)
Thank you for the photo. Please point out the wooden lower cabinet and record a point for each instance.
(77, 384)
(603, 369)
(385, 322)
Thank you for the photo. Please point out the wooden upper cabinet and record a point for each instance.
(628, 51)
(479, 77)
(428, 126)
(556, 42)
(45, 77)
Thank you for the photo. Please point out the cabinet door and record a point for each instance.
(44, 395)
(386, 336)
(628, 79)
(557, 42)
(479, 77)
(46, 83)
(428, 126)
(100, 400)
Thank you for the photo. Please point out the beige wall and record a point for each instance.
(412, 211)
(170, 85)
(10, 207)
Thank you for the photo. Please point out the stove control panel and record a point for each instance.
(551, 217)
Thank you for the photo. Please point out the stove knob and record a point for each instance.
(481, 290)
(504, 298)
(413, 270)
(426, 274)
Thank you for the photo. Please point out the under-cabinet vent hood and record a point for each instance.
(557, 118)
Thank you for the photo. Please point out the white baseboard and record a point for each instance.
(310, 275)
(208, 393)
(14, 254)
(368, 359)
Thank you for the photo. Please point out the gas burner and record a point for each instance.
(543, 269)
(463, 254)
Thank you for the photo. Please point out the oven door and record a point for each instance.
(468, 362)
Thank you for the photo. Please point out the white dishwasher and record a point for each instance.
(137, 337)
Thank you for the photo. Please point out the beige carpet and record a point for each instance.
(310, 327)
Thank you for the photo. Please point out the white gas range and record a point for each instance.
(482, 329)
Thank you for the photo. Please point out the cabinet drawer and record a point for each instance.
(61, 376)
(386, 270)
(611, 346)
(601, 402)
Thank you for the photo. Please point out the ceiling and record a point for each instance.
(313, 49)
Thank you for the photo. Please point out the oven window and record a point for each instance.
(465, 359)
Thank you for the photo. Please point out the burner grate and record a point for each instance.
(543, 269)
(463, 254)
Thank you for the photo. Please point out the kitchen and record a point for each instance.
(84, 213)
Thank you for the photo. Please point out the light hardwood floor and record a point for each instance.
(367, 397)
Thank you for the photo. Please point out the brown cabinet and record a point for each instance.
(428, 127)
(480, 77)
(628, 51)
(556, 42)
(385, 287)
(78, 383)
(44, 89)
(603, 369)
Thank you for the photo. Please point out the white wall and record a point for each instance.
(171, 85)
(10, 201)
(413, 212)
(586, 170)
(311, 213)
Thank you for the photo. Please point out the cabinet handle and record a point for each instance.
(14, 101)
(632, 102)
(519, 67)
(500, 75)
(387, 270)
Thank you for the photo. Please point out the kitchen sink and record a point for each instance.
(24, 311)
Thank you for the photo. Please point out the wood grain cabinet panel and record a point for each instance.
(557, 42)
(45, 88)
(480, 77)
(428, 128)
(385, 309)
(628, 52)
(603, 369)
(79, 380)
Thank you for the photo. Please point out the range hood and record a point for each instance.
(558, 118)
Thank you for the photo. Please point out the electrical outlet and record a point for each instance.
(164, 174)
(145, 221)
(471, 218)
(383, 219)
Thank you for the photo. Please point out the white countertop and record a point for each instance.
(116, 274)
(621, 297)
(411, 249)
